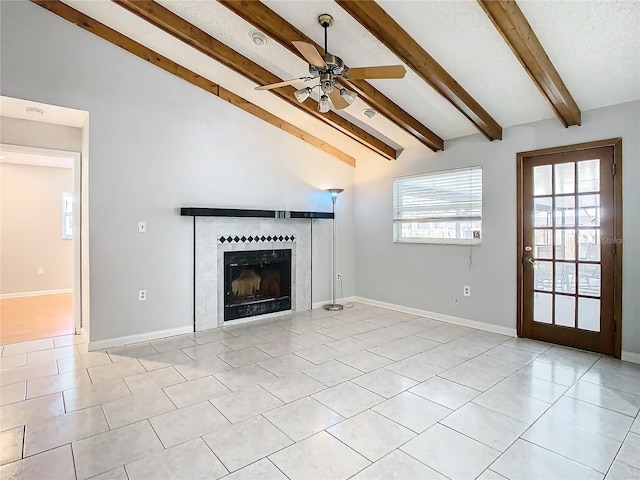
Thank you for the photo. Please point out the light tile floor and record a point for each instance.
(365, 393)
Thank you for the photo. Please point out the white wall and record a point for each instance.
(15, 131)
(427, 277)
(156, 144)
(31, 229)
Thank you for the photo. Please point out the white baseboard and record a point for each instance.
(141, 337)
(344, 300)
(631, 357)
(39, 293)
(443, 318)
(85, 337)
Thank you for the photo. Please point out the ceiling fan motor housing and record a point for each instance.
(335, 66)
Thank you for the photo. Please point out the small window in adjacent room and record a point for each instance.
(441, 207)
(67, 215)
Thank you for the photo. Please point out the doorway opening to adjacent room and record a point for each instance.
(40, 236)
(34, 301)
(570, 260)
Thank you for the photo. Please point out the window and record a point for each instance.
(442, 207)
(67, 215)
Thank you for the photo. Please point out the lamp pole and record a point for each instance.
(333, 305)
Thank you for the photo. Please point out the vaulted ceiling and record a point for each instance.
(473, 66)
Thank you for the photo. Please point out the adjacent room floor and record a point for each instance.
(366, 393)
(32, 318)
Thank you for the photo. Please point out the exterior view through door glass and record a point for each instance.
(569, 220)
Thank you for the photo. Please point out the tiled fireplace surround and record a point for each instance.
(209, 260)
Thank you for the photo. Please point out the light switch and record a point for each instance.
(40, 271)
(142, 227)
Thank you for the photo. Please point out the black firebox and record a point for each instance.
(256, 282)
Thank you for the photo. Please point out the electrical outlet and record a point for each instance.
(454, 300)
(466, 290)
(339, 276)
(142, 295)
(40, 271)
(142, 227)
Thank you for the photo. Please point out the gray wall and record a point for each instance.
(428, 277)
(31, 229)
(157, 143)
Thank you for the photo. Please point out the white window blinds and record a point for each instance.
(442, 207)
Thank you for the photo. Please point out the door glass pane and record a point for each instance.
(565, 244)
(589, 279)
(565, 277)
(542, 212)
(565, 310)
(564, 178)
(542, 248)
(542, 307)
(565, 211)
(589, 314)
(589, 245)
(543, 276)
(589, 210)
(589, 176)
(542, 180)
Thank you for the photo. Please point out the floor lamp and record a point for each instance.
(333, 305)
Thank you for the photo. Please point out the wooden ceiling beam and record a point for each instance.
(193, 36)
(371, 16)
(87, 23)
(276, 27)
(511, 23)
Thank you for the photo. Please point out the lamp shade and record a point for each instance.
(323, 104)
(334, 192)
(348, 95)
(302, 94)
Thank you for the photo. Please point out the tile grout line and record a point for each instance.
(505, 378)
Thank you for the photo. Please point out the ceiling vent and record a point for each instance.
(258, 38)
(369, 113)
(35, 111)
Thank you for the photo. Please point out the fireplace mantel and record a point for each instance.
(241, 212)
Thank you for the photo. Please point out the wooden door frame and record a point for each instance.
(616, 143)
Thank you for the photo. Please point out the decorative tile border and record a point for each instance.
(255, 238)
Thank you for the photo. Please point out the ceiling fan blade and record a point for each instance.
(390, 71)
(310, 53)
(338, 102)
(283, 84)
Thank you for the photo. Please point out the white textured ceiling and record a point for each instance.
(599, 56)
(594, 44)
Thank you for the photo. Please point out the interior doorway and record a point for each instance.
(570, 264)
(40, 236)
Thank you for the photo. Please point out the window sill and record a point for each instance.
(440, 241)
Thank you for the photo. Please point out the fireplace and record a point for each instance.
(256, 282)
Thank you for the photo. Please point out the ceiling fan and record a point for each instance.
(327, 68)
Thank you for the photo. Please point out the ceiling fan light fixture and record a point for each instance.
(302, 94)
(323, 104)
(348, 95)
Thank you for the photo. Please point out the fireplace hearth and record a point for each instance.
(256, 282)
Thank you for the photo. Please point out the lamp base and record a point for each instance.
(334, 307)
